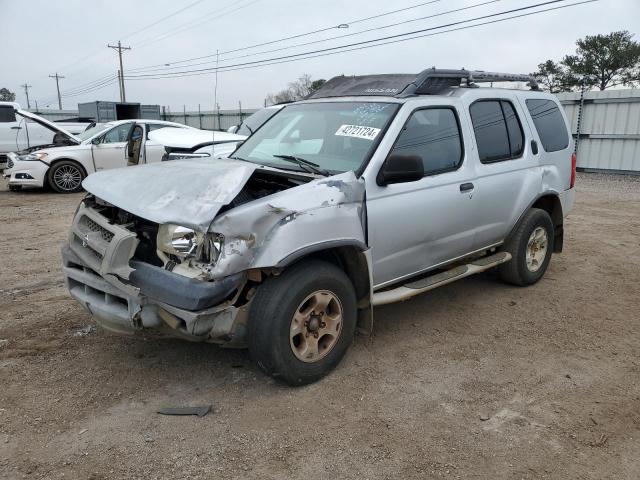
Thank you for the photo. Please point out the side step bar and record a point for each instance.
(425, 284)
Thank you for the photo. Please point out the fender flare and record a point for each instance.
(317, 247)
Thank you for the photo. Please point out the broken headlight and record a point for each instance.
(183, 243)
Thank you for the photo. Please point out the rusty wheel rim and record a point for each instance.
(316, 326)
(537, 249)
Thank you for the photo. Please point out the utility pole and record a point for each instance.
(120, 48)
(26, 92)
(58, 77)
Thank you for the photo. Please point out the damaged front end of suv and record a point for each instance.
(181, 247)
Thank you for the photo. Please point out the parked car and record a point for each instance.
(255, 120)
(102, 147)
(192, 143)
(375, 189)
(21, 130)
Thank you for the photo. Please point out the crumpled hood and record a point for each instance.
(50, 125)
(186, 192)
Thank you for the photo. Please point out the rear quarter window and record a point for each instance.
(549, 123)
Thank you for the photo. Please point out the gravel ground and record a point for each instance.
(473, 380)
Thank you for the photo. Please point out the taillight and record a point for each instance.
(573, 170)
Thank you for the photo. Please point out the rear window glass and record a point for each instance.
(7, 114)
(491, 131)
(549, 124)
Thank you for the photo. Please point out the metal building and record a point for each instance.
(109, 111)
(609, 130)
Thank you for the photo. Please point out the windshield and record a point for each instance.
(337, 137)
(255, 121)
(90, 132)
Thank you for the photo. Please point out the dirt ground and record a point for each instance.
(473, 380)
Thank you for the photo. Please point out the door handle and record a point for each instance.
(16, 128)
(465, 187)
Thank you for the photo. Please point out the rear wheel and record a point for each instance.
(530, 246)
(302, 322)
(66, 177)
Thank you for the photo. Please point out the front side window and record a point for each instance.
(336, 136)
(256, 120)
(549, 124)
(434, 136)
(117, 134)
(497, 129)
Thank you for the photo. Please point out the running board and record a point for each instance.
(425, 284)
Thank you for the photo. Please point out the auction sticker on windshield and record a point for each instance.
(358, 131)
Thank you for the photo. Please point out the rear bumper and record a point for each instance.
(567, 199)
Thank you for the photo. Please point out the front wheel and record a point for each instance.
(302, 322)
(66, 177)
(530, 246)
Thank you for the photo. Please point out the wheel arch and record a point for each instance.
(54, 162)
(550, 203)
(352, 257)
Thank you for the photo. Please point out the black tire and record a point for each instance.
(271, 316)
(516, 271)
(66, 176)
(15, 188)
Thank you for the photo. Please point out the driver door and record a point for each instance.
(415, 226)
(109, 149)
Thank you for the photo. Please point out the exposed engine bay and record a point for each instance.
(181, 249)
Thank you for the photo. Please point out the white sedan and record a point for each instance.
(105, 146)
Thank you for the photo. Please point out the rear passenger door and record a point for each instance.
(507, 171)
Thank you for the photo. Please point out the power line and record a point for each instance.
(191, 24)
(153, 24)
(310, 55)
(313, 32)
(456, 10)
(339, 47)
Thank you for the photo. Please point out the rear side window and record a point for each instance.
(433, 135)
(7, 114)
(549, 124)
(158, 126)
(497, 129)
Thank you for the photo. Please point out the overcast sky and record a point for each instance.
(42, 37)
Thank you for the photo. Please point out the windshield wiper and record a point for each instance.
(305, 164)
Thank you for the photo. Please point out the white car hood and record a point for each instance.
(187, 192)
(47, 124)
(191, 137)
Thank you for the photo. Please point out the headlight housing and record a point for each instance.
(30, 157)
(186, 244)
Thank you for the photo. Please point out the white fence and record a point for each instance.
(609, 129)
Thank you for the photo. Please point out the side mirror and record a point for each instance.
(400, 169)
(96, 141)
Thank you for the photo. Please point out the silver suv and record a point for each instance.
(375, 189)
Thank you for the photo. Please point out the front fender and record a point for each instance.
(275, 230)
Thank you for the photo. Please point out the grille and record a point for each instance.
(9, 163)
(94, 227)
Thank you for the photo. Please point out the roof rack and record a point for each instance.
(428, 82)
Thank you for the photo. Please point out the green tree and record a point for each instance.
(605, 61)
(7, 96)
(554, 77)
